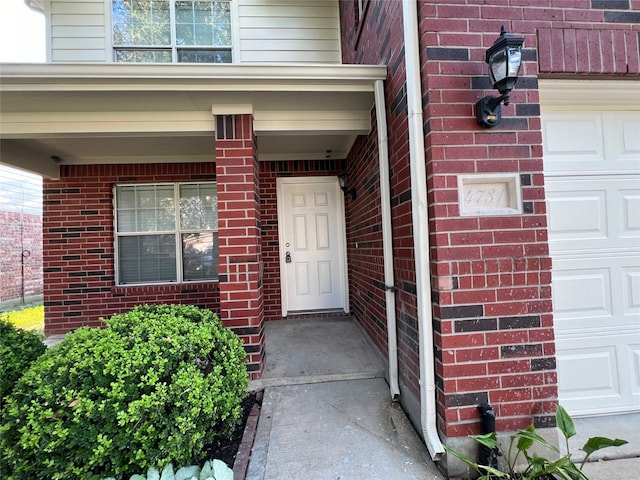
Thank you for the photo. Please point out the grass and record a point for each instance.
(30, 318)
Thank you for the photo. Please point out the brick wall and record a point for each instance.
(269, 172)
(79, 250)
(20, 274)
(240, 252)
(491, 275)
(379, 40)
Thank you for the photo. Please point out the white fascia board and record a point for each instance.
(177, 77)
(19, 124)
(310, 122)
(556, 94)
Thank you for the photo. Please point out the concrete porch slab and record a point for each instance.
(336, 430)
(316, 350)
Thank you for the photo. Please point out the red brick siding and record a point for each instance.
(20, 232)
(79, 254)
(380, 40)
(269, 172)
(240, 255)
(491, 275)
(364, 244)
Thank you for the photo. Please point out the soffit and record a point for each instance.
(100, 113)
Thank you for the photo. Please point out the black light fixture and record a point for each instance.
(504, 58)
(343, 181)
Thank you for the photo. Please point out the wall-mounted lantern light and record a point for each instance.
(504, 58)
(343, 181)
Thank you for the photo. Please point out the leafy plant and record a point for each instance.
(156, 385)
(536, 466)
(18, 350)
(211, 470)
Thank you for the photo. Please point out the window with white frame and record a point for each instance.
(166, 31)
(166, 233)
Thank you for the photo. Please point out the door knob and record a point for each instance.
(287, 257)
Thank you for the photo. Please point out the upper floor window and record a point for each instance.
(166, 233)
(165, 31)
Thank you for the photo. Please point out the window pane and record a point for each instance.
(198, 22)
(204, 56)
(222, 35)
(204, 35)
(147, 259)
(143, 56)
(198, 207)
(141, 22)
(145, 208)
(200, 256)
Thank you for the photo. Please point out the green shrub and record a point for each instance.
(154, 386)
(18, 349)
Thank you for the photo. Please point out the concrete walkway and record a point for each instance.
(327, 414)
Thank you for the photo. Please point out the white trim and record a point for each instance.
(420, 214)
(570, 95)
(109, 53)
(342, 253)
(79, 123)
(176, 233)
(190, 77)
(235, 32)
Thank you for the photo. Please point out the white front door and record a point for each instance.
(312, 244)
(592, 177)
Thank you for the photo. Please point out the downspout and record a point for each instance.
(387, 245)
(420, 216)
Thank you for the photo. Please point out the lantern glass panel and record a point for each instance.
(515, 59)
(498, 66)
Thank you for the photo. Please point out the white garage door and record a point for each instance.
(592, 177)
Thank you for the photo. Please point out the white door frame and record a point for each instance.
(341, 247)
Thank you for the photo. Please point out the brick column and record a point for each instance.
(240, 255)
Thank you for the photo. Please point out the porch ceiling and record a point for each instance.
(106, 113)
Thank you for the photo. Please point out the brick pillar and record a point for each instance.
(240, 254)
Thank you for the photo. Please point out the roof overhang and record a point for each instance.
(126, 113)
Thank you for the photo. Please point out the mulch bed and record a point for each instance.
(235, 451)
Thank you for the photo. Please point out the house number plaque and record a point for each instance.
(492, 194)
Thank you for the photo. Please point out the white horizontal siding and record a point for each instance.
(84, 7)
(79, 30)
(267, 31)
(297, 31)
(72, 44)
(289, 57)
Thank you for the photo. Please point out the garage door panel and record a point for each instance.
(625, 128)
(630, 206)
(572, 139)
(599, 360)
(578, 215)
(582, 293)
(590, 291)
(594, 212)
(598, 374)
(633, 351)
(592, 183)
(631, 290)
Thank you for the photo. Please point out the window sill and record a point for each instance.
(176, 288)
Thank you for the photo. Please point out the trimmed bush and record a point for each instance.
(18, 350)
(155, 386)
